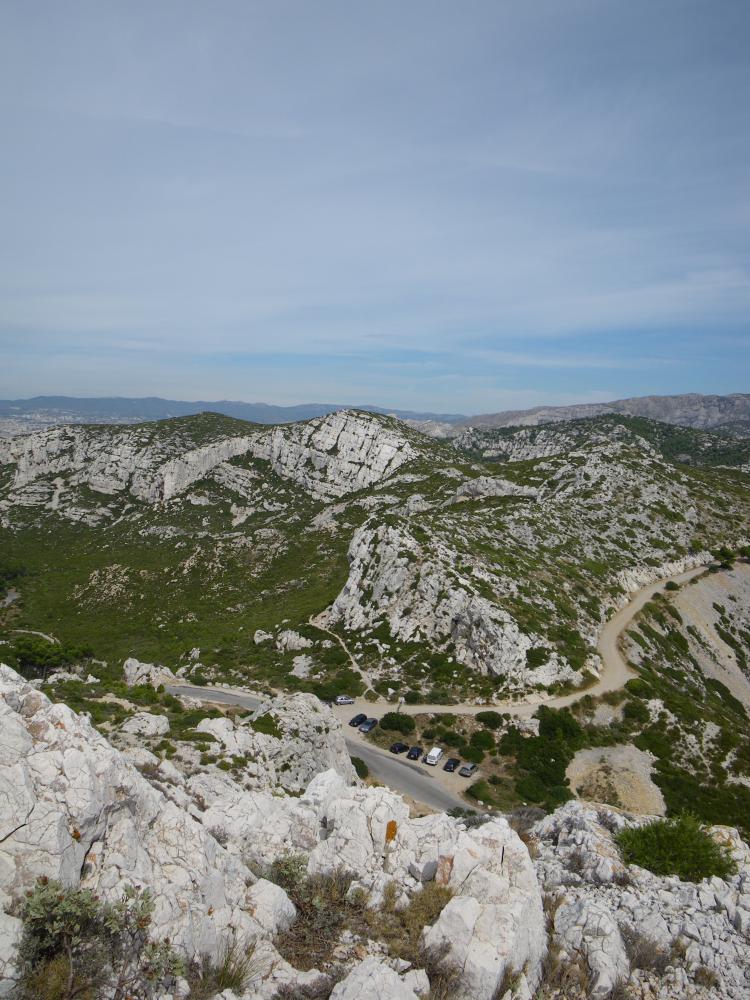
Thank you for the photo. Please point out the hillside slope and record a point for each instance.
(443, 572)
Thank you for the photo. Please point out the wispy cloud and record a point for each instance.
(416, 202)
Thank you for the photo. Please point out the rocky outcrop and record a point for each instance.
(599, 904)
(372, 980)
(328, 457)
(146, 724)
(74, 809)
(337, 454)
(134, 673)
(420, 595)
(286, 742)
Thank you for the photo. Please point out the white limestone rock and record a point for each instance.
(271, 907)
(134, 673)
(146, 724)
(329, 457)
(372, 980)
(495, 923)
(392, 576)
(310, 740)
(493, 486)
(586, 929)
(291, 640)
(599, 898)
(76, 810)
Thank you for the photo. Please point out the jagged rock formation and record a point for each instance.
(330, 456)
(305, 741)
(391, 576)
(73, 809)
(599, 905)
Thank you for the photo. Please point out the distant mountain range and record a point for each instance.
(114, 409)
(727, 414)
(730, 414)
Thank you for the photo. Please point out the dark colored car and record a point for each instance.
(358, 720)
(468, 770)
(399, 747)
(415, 753)
(368, 725)
(451, 764)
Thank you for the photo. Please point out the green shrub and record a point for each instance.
(493, 720)
(671, 585)
(482, 740)
(677, 846)
(636, 711)
(360, 767)
(396, 722)
(266, 724)
(76, 946)
(473, 754)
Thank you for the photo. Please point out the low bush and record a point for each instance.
(74, 945)
(266, 724)
(482, 740)
(396, 722)
(643, 952)
(360, 767)
(678, 846)
(490, 719)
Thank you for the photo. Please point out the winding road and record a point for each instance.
(435, 788)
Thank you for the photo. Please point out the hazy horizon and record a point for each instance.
(412, 206)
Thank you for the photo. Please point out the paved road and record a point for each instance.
(434, 788)
(403, 776)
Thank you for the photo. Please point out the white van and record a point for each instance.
(433, 756)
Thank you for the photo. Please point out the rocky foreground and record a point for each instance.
(551, 913)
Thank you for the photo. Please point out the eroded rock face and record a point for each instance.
(74, 809)
(337, 454)
(305, 740)
(599, 902)
(391, 576)
(134, 673)
(329, 457)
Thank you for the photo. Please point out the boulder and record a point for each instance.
(372, 980)
(586, 929)
(135, 672)
(146, 724)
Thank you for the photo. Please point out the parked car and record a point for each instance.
(344, 699)
(451, 764)
(415, 753)
(399, 747)
(358, 720)
(368, 725)
(468, 770)
(433, 756)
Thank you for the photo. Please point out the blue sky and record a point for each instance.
(457, 207)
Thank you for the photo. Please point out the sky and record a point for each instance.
(457, 207)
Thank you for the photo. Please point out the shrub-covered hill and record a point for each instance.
(681, 445)
(294, 554)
